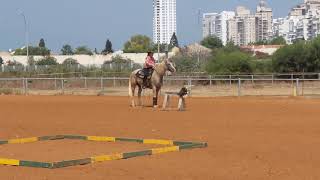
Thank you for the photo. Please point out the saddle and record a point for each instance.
(144, 73)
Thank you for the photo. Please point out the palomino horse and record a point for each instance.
(155, 83)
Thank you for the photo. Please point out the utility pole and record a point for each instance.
(26, 32)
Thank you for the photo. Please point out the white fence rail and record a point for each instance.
(197, 86)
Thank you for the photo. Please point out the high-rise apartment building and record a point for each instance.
(164, 20)
(215, 24)
(241, 29)
(209, 21)
(263, 22)
(303, 22)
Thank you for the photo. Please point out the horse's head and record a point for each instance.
(169, 66)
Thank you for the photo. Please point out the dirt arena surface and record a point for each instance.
(252, 138)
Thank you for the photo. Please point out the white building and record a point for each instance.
(303, 22)
(263, 22)
(241, 29)
(215, 24)
(164, 20)
(286, 28)
(209, 21)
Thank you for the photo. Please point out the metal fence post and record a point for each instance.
(26, 83)
(239, 87)
(23, 85)
(252, 77)
(210, 80)
(190, 85)
(272, 79)
(114, 81)
(297, 87)
(101, 83)
(62, 85)
(55, 83)
(85, 83)
(230, 77)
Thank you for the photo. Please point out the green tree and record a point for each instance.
(292, 58)
(70, 61)
(42, 44)
(1, 61)
(47, 61)
(83, 50)
(67, 50)
(186, 63)
(229, 62)
(211, 42)
(108, 48)
(278, 41)
(138, 44)
(262, 66)
(33, 51)
(231, 47)
(174, 40)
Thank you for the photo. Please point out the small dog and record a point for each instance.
(183, 92)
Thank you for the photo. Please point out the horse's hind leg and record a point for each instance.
(139, 96)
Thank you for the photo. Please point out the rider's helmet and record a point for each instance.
(150, 53)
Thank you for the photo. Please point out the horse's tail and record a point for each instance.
(130, 88)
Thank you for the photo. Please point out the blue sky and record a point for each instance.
(91, 22)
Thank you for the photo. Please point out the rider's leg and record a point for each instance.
(145, 77)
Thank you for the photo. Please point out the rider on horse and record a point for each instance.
(148, 68)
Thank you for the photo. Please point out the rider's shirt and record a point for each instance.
(150, 62)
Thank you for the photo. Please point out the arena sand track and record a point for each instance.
(249, 138)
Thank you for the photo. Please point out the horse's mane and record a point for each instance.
(160, 68)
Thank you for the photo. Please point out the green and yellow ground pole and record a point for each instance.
(170, 146)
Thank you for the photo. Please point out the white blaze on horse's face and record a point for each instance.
(170, 66)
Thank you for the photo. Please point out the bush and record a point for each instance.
(262, 66)
(47, 61)
(14, 63)
(229, 62)
(186, 63)
(120, 64)
(70, 61)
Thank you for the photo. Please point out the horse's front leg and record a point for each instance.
(155, 97)
(133, 104)
(139, 96)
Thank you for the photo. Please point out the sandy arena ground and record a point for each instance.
(252, 138)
